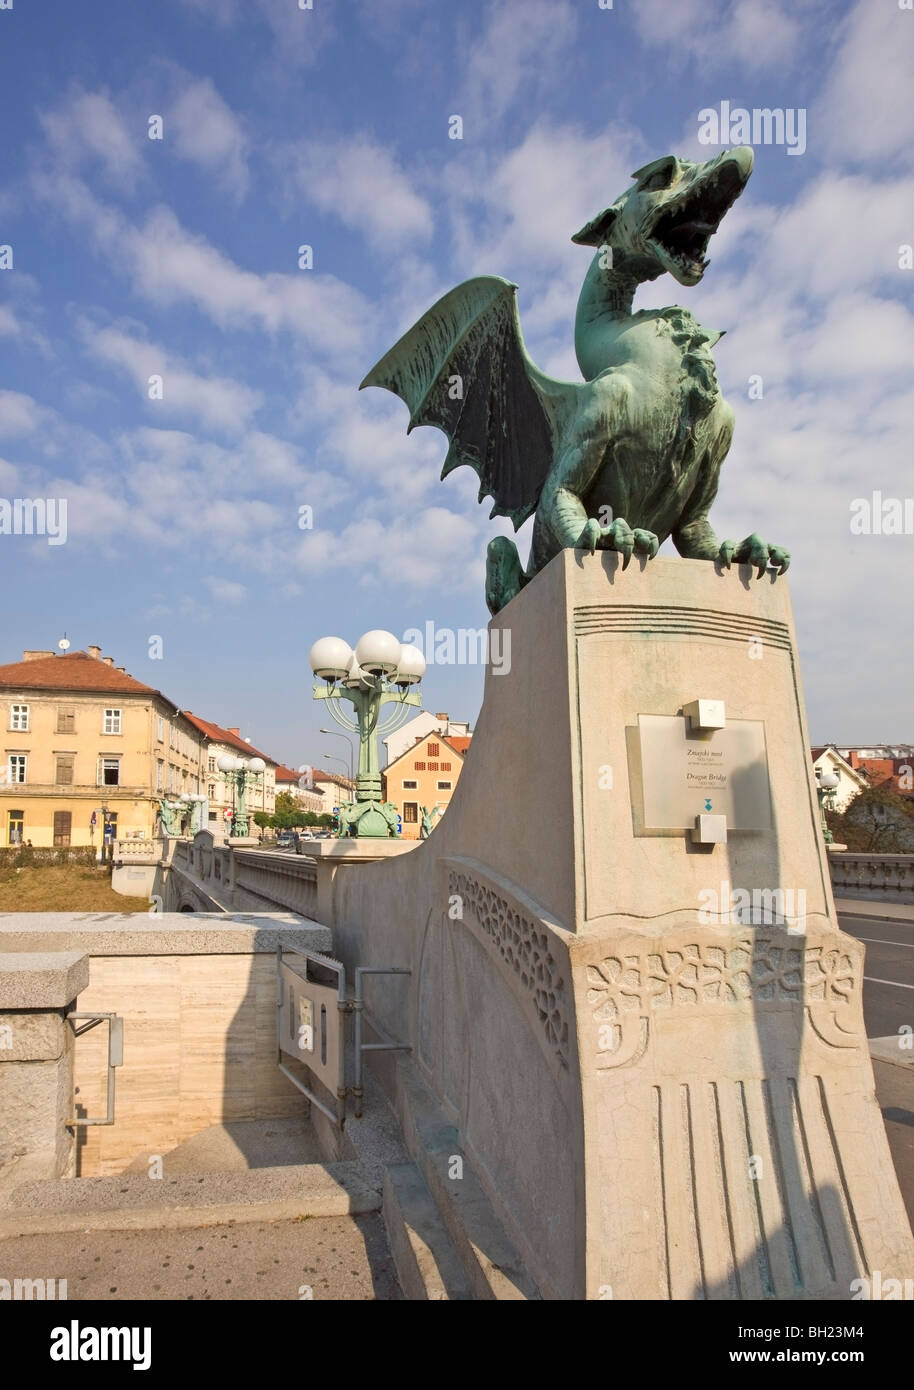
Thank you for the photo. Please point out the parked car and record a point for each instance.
(284, 840)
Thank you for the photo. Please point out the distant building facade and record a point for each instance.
(424, 723)
(88, 747)
(425, 774)
(314, 798)
(885, 764)
(219, 742)
(850, 781)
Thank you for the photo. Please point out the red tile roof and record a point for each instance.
(459, 742)
(318, 775)
(287, 774)
(217, 734)
(72, 671)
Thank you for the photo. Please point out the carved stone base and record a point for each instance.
(664, 1095)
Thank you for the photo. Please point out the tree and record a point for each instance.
(287, 811)
(877, 821)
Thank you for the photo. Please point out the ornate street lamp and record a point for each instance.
(240, 773)
(826, 786)
(379, 672)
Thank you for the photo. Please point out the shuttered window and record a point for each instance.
(66, 719)
(64, 771)
(62, 822)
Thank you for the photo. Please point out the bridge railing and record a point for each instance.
(882, 876)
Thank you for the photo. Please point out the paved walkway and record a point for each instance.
(868, 907)
(338, 1257)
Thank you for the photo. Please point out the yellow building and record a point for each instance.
(85, 743)
(425, 775)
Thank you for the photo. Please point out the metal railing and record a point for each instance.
(115, 1059)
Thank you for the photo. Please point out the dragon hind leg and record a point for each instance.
(504, 573)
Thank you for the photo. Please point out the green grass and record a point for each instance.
(62, 888)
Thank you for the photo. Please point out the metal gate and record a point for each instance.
(311, 1011)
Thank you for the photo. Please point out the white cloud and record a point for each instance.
(217, 402)
(522, 47)
(87, 128)
(862, 112)
(299, 34)
(720, 32)
(361, 183)
(19, 413)
(225, 590)
(208, 133)
(168, 265)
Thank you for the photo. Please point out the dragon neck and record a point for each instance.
(607, 295)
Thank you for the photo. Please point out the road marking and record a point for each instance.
(881, 941)
(873, 981)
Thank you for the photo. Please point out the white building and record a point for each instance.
(425, 723)
(850, 782)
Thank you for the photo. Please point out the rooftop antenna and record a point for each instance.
(64, 643)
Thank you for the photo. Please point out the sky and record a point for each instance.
(135, 258)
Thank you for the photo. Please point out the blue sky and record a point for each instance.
(329, 127)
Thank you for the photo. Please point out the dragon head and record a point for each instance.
(671, 212)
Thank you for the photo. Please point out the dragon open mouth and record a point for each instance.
(682, 233)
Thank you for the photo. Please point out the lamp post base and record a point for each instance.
(373, 819)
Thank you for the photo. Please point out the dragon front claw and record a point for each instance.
(591, 536)
(754, 551)
(622, 538)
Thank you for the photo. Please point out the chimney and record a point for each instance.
(96, 652)
(35, 656)
(122, 669)
(236, 732)
(442, 716)
(107, 660)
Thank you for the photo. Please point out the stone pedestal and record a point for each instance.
(653, 1049)
(332, 855)
(37, 991)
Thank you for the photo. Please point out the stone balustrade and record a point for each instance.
(888, 877)
(235, 876)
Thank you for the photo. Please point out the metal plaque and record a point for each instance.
(691, 772)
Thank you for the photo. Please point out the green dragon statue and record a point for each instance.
(632, 454)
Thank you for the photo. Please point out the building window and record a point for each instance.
(211, 790)
(444, 786)
(445, 767)
(66, 719)
(17, 766)
(410, 786)
(112, 722)
(418, 767)
(410, 813)
(433, 767)
(19, 718)
(15, 822)
(63, 821)
(211, 764)
(433, 750)
(109, 772)
(63, 774)
(160, 729)
(160, 776)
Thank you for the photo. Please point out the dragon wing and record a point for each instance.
(464, 368)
